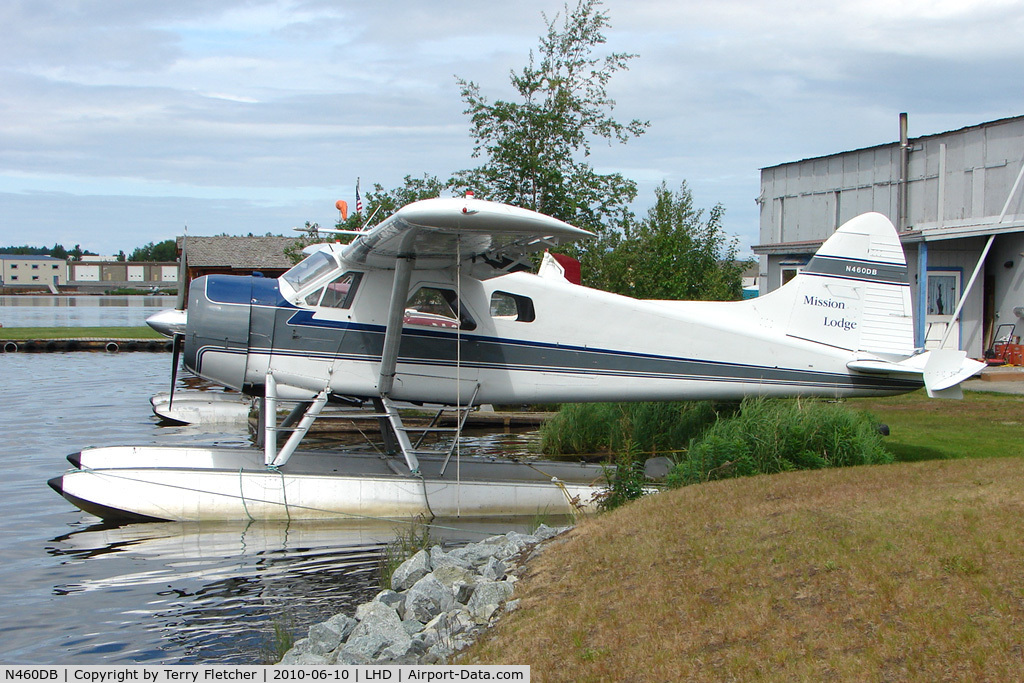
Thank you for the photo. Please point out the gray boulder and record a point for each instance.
(439, 558)
(451, 574)
(326, 636)
(427, 598)
(411, 571)
(463, 591)
(297, 658)
(391, 599)
(379, 627)
(494, 570)
(487, 597)
(477, 554)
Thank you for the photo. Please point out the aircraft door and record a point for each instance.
(438, 354)
(267, 307)
(318, 337)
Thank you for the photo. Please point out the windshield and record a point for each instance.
(311, 269)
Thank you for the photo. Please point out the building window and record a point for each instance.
(942, 293)
(790, 272)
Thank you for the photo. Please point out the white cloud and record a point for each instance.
(233, 100)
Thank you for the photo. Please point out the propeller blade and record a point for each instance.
(182, 274)
(179, 340)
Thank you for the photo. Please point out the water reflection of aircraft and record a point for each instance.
(201, 407)
(434, 305)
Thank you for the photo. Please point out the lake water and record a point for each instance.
(75, 592)
(80, 311)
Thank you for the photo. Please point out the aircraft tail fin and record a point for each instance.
(855, 292)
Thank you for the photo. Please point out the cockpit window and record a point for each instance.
(339, 294)
(434, 307)
(315, 266)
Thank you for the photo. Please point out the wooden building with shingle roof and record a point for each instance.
(236, 255)
(229, 255)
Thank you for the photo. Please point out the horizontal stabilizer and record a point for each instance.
(942, 370)
(946, 368)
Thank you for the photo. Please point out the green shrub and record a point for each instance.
(772, 435)
(626, 481)
(648, 429)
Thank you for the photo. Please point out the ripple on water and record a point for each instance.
(73, 592)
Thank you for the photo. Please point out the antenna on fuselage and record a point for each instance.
(370, 218)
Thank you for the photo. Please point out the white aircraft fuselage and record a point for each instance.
(458, 327)
(551, 342)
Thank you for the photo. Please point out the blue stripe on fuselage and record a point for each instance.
(571, 359)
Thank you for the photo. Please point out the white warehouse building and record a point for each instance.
(956, 199)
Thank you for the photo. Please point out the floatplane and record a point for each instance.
(439, 304)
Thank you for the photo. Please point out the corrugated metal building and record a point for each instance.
(957, 200)
(124, 273)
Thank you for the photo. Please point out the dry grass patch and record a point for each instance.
(902, 572)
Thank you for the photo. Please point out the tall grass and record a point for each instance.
(408, 541)
(769, 435)
(648, 429)
(626, 481)
(277, 643)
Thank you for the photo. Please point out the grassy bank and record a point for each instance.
(17, 333)
(909, 571)
(895, 572)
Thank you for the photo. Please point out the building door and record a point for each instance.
(943, 296)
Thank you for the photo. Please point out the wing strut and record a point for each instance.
(393, 334)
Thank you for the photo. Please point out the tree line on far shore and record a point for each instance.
(154, 251)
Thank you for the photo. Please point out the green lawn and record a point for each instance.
(982, 425)
(18, 333)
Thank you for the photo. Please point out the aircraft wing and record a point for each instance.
(440, 232)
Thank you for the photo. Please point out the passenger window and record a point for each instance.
(512, 307)
(433, 307)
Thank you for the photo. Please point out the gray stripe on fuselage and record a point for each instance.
(858, 269)
(363, 343)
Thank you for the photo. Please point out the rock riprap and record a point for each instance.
(438, 603)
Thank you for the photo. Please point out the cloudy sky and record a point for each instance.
(122, 121)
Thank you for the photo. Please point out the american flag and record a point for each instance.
(359, 200)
